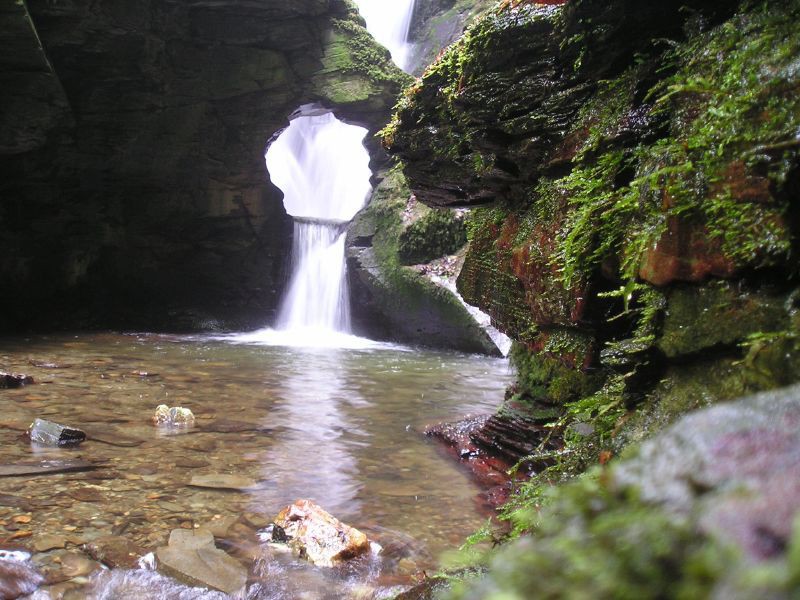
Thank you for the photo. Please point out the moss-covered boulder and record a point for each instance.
(398, 302)
(708, 508)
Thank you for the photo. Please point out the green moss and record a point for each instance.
(733, 111)
(554, 374)
(438, 232)
(591, 541)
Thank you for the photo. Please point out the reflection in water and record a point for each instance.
(339, 426)
(312, 444)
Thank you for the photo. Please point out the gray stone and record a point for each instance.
(192, 558)
(735, 466)
(47, 433)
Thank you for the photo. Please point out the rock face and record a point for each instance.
(632, 229)
(436, 24)
(133, 179)
(706, 509)
(317, 536)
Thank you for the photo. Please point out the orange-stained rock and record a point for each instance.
(685, 252)
(318, 536)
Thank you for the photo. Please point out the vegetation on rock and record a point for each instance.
(635, 171)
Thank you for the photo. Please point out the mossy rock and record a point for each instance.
(395, 301)
(437, 233)
(708, 508)
(717, 314)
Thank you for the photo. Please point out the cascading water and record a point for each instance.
(389, 22)
(323, 169)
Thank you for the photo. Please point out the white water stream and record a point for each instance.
(389, 21)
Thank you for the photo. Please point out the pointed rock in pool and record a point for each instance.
(47, 433)
(318, 536)
(192, 558)
(221, 481)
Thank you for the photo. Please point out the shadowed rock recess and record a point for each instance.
(133, 185)
(633, 171)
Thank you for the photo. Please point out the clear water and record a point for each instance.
(339, 426)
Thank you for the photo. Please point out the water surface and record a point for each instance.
(339, 426)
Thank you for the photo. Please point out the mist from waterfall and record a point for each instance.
(389, 22)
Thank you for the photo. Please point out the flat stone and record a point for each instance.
(223, 481)
(45, 467)
(192, 558)
(49, 542)
(115, 552)
(219, 526)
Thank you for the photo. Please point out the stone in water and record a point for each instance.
(14, 380)
(191, 557)
(173, 416)
(318, 536)
(47, 433)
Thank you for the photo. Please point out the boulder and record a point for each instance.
(318, 536)
(192, 558)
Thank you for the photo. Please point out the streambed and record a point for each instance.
(339, 426)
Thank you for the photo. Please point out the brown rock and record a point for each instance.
(17, 579)
(115, 552)
(318, 536)
(49, 542)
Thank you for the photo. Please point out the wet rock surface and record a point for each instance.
(191, 557)
(318, 536)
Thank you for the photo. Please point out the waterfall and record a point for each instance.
(389, 21)
(317, 298)
(322, 168)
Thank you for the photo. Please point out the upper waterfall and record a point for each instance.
(389, 22)
(322, 168)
